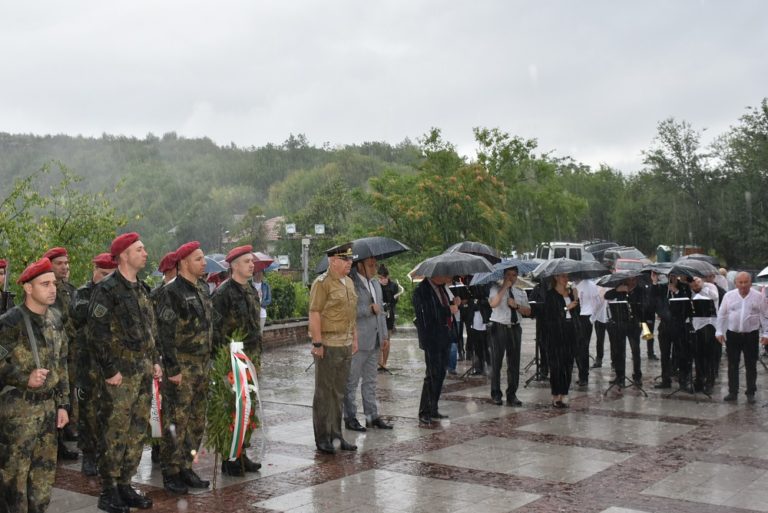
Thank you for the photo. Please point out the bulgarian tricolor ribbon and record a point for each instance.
(155, 417)
(245, 382)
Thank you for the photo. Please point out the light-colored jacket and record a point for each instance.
(370, 327)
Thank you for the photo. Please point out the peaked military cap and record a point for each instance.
(342, 250)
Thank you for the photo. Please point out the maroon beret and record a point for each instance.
(186, 249)
(238, 252)
(34, 270)
(3, 263)
(122, 242)
(104, 261)
(55, 253)
(168, 262)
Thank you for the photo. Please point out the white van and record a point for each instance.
(572, 250)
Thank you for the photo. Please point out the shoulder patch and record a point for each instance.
(322, 277)
(3, 352)
(167, 314)
(99, 311)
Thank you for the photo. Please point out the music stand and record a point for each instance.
(620, 313)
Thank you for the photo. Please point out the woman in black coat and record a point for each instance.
(561, 311)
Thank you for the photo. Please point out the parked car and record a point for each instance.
(630, 264)
(572, 250)
(612, 254)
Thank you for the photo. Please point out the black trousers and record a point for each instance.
(618, 334)
(671, 343)
(583, 335)
(707, 356)
(749, 344)
(541, 339)
(651, 323)
(683, 352)
(477, 343)
(505, 340)
(436, 360)
(600, 339)
(560, 353)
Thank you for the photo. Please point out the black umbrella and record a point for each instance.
(699, 256)
(614, 280)
(658, 267)
(576, 269)
(378, 247)
(452, 264)
(523, 267)
(476, 248)
(693, 267)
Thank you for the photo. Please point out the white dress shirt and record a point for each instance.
(742, 314)
(589, 298)
(502, 313)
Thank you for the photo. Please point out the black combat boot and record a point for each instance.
(110, 501)
(89, 465)
(232, 468)
(133, 498)
(174, 484)
(191, 479)
(63, 452)
(249, 465)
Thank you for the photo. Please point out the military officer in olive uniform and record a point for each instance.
(236, 308)
(34, 393)
(65, 291)
(332, 321)
(184, 331)
(86, 377)
(121, 332)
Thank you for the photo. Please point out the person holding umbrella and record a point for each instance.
(561, 314)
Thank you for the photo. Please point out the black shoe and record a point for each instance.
(354, 425)
(617, 381)
(326, 447)
(514, 401)
(731, 398)
(70, 433)
(663, 384)
(438, 415)
(688, 388)
(582, 383)
(175, 484)
(155, 453)
(346, 446)
(497, 401)
(88, 467)
(751, 399)
(637, 378)
(65, 454)
(708, 389)
(424, 419)
(378, 422)
(133, 498)
(191, 479)
(232, 468)
(559, 405)
(383, 369)
(653, 356)
(110, 501)
(248, 464)
(598, 364)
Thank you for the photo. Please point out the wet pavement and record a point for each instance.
(614, 453)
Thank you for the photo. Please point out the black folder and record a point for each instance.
(704, 308)
(619, 311)
(680, 307)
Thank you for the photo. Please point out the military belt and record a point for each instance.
(28, 395)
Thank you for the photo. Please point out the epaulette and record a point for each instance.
(321, 277)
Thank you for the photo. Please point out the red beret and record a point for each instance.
(104, 261)
(238, 252)
(122, 242)
(168, 262)
(55, 253)
(3, 263)
(186, 249)
(34, 270)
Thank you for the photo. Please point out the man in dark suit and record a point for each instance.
(434, 322)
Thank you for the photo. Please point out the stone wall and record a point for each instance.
(286, 333)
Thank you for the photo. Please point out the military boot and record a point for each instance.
(174, 484)
(110, 501)
(250, 465)
(232, 468)
(89, 465)
(63, 451)
(191, 479)
(133, 498)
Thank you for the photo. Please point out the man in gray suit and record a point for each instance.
(372, 335)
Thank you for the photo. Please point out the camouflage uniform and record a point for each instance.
(121, 334)
(337, 303)
(184, 333)
(236, 307)
(65, 293)
(86, 376)
(28, 416)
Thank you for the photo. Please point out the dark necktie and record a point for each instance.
(513, 313)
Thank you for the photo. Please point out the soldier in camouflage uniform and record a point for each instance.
(332, 327)
(185, 328)
(121, 332)
(65, 291)
(87, 377)
(236, 308)
(34, 395)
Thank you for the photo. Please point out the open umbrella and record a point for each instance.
(261, 261)
(699, 256)
(476, 248)
(214, 266)
(763, 273)
(693, 267)
(614, 280)
(576, 269)
(523, 267)
(366, 247)
(452, 264)
(658, 267)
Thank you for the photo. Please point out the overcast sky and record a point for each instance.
(589, 79)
